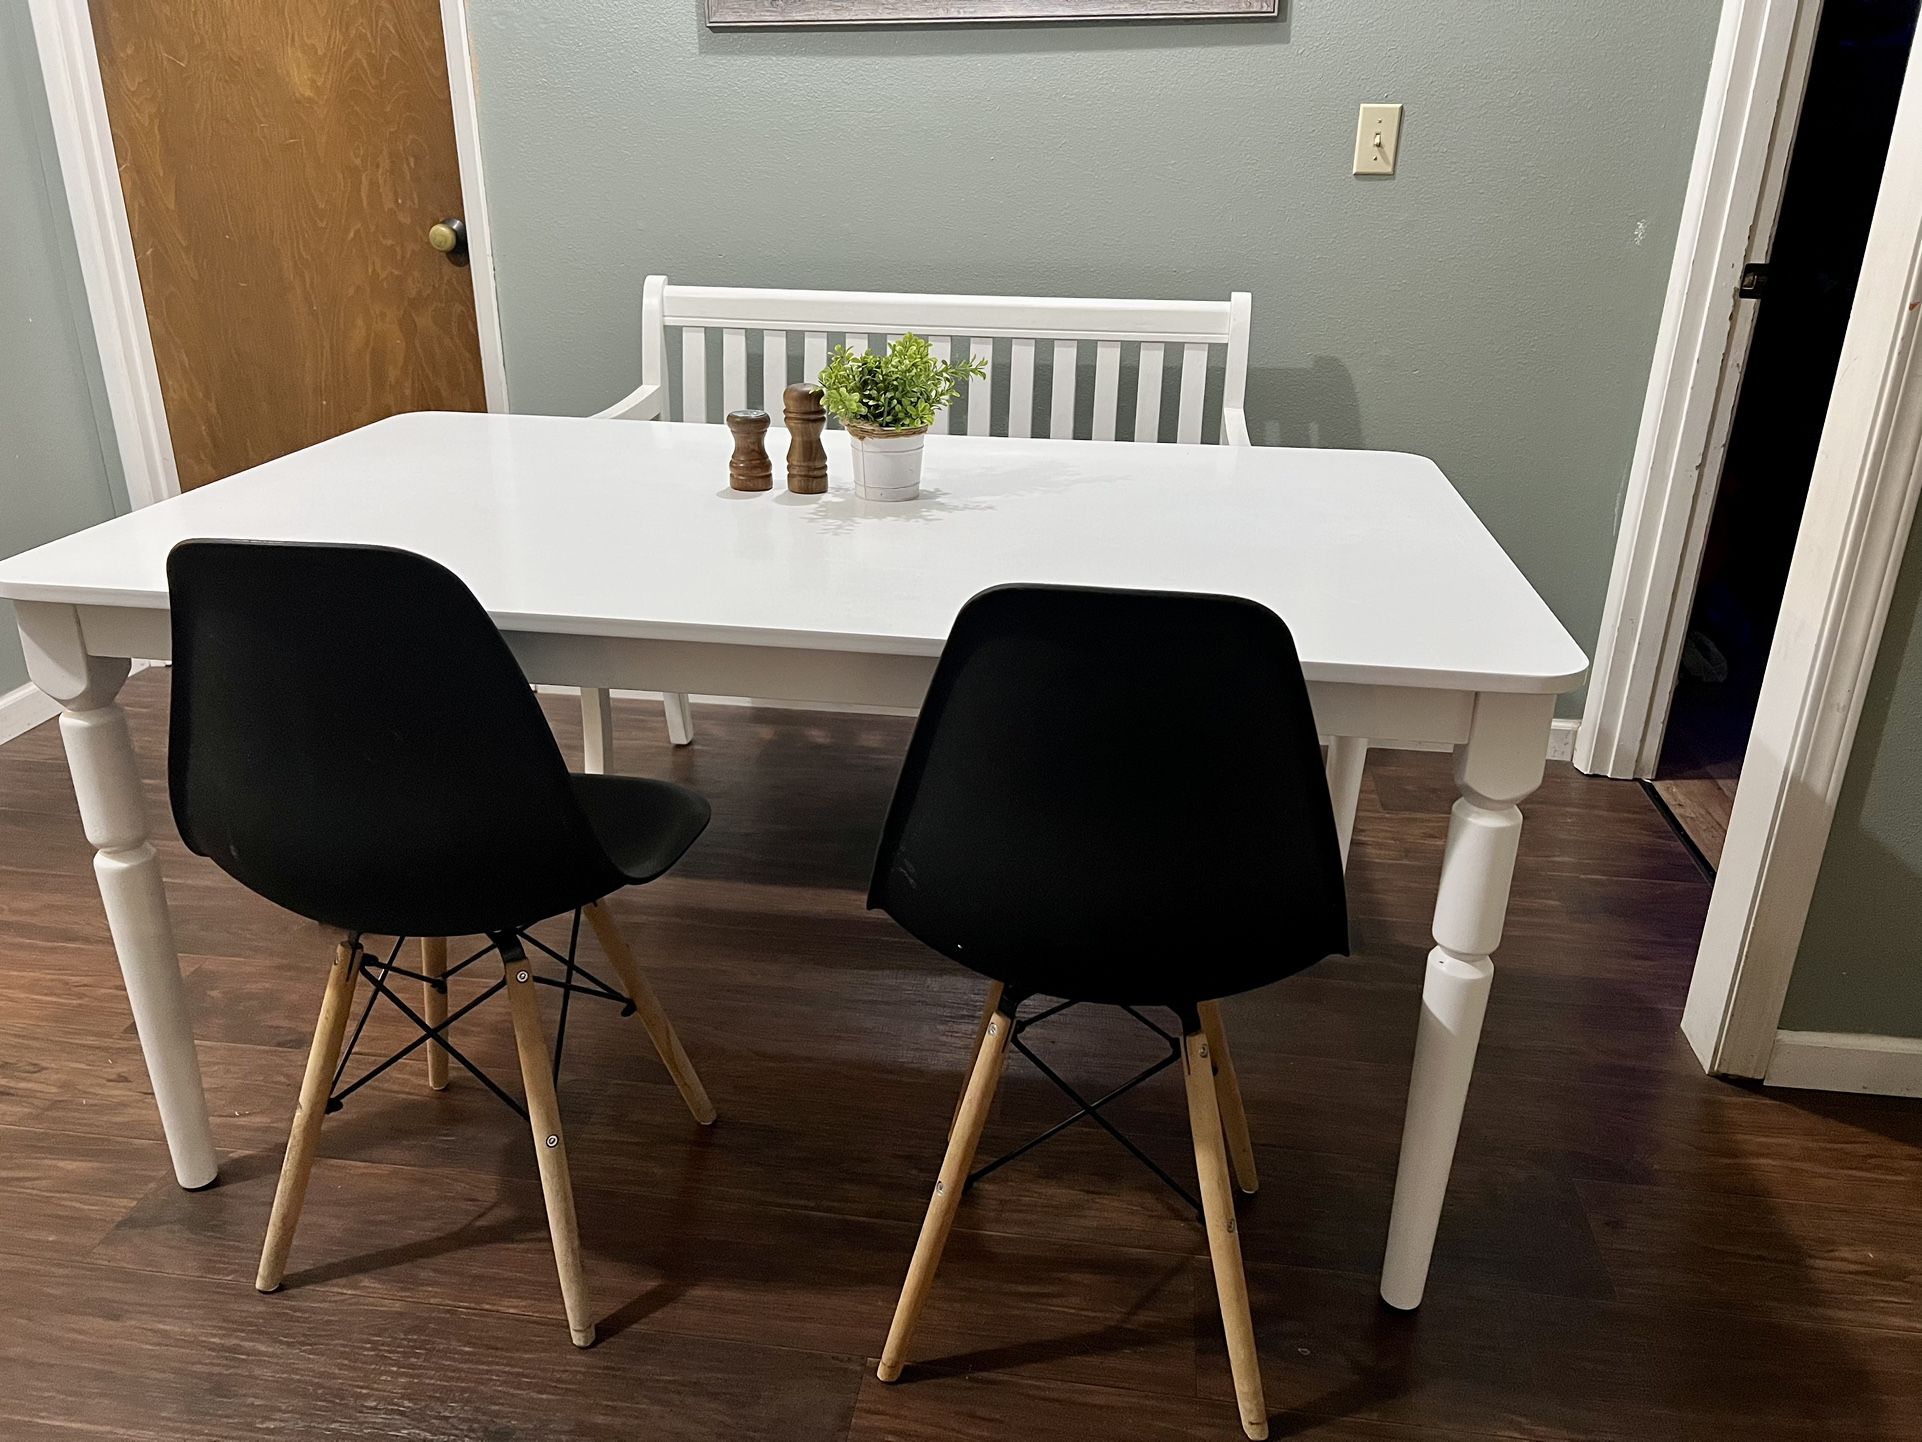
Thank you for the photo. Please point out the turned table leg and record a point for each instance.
(1499, 765)
(106, 782)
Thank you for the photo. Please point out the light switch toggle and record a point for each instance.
(1377, 139)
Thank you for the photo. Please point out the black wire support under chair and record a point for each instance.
(1091, 1110)
(575, 980)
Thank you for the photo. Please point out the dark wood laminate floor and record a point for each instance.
(1701, 763)
(1631, 1250)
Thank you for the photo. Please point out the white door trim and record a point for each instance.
(1862, 498)
(462, 88)
(63, 34)
(90, 173)
(1756, 81)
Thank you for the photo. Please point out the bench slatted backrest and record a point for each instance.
(1154, 351)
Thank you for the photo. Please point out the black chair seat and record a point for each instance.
(353, 740)
(643, 825)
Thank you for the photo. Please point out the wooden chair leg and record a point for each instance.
(989, 1007)
(1224, 1245)
(433, 1006)
(550, 1149)
(975, 1104)
(680, 717)
(315, 1087)
(659, 1029)
(1234, 1121)
(597, 729)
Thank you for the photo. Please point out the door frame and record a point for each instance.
(1861, 504)
(90, 173)
(1754, 100)
(1854, 535)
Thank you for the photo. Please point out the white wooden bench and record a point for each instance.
(768, 339)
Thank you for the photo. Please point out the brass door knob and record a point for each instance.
(449, 237)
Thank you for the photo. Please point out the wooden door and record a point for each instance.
(283, 161)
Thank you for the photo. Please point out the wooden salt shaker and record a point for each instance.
(749, 469)
(807, 459)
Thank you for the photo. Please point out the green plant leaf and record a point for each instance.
(903, 388)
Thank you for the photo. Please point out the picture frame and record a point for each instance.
(775, 14)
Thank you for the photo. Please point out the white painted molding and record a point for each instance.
(1680, 600)
(1855, 527)
(91, 176)
(1756, 80)
(23, 708)
(463, 89)
(1563, 736)
(1835, 1061)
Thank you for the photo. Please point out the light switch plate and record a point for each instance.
(1377, 139)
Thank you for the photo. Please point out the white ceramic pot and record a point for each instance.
(887, 464)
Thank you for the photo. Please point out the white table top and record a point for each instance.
(627, 528)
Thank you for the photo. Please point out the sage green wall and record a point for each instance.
(57, 470)
(1860, 967)
(1494, 305)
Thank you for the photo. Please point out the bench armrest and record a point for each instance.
(643, 403)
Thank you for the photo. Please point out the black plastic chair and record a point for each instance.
(353, 740)
(1044, 835)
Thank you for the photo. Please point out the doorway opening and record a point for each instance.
(1805, 293)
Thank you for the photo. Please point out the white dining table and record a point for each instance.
(612, 553)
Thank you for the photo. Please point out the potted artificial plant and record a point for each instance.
(887, 402)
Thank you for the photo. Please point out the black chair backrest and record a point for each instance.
(1052, 831)
(352, 739)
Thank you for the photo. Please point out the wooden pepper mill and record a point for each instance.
(749, 469)
(807, 459)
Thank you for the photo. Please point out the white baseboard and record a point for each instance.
(1836, 1061)
(1561, 738)
(23, 708)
